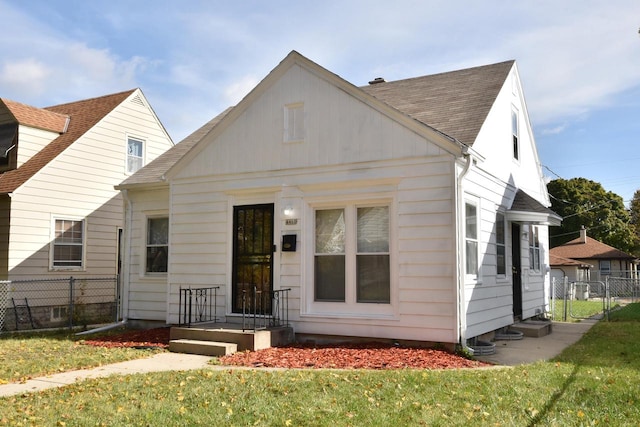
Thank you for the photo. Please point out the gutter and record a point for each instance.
(468, 155)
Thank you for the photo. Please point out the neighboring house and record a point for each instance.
(411, 210)
(570, 269)
(603, 260)
(60, 214)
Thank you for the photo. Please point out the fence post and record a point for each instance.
(71, 296)
(566, 298)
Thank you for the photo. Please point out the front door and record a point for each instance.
(252, 280)
(516, 266)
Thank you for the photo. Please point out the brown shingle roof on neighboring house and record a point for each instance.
(83, 115)
(567, 262)
(456, 103)
(36, 117)
(155, 170)
(588, 248)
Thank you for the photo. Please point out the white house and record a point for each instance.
(60, 215)
(410, 210)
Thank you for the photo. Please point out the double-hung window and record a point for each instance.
(471, 238)
(534, 249)
(351, 259)
(135, 154)
(68, 244)
(515, 133)
(157, 244)
(501, 247)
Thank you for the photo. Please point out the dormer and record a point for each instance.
(25, 130)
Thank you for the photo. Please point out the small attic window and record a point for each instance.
(294, 122)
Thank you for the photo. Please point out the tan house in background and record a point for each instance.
(591, 259)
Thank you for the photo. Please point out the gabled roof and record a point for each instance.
(525, 208)
(585, 247)
(155, 170)
(456, 103)
(36, 117)
(83, 115)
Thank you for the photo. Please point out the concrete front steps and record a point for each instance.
(223, 339)
(533, 328)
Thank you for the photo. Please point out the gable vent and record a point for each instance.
(137, 100)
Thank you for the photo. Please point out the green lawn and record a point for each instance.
(27, 355)
(576, 310)
(594, 382)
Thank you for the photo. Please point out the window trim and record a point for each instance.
(535, 263)
(350, 307)
(502, 244)
(146, 245)
(52, 260)
(143, 141)
(515, 134)
(475, 202)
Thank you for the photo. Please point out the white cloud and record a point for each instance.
(27, 76)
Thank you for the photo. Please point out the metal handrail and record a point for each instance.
(204, 302)
(261, 310)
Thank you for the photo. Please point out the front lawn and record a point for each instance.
(593, 382)
(26, 355)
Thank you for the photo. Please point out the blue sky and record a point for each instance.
(579, 59)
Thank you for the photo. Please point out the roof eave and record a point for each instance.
(537, 218)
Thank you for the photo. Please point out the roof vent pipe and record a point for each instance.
(376, 81)
(583, 234)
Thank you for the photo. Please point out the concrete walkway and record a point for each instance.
(508, 353)
(529, 350)
(156, 363)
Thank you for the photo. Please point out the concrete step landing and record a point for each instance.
(205, 348)
(533, 328)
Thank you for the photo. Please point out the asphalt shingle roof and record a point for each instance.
(36, 117)
(455, 103)
(590, 249)
(83, 115)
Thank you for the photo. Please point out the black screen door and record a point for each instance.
(252, 257)
(516, 266)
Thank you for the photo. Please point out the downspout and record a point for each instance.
(462, 320)
(124, 274)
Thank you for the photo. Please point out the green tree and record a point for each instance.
(582, 202)
(634, 212)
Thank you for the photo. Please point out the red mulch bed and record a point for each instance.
(337, 356)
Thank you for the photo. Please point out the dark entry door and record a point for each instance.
(516, 266)
(252, 256)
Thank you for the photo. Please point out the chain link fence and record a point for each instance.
(573, 297)
(55, 303)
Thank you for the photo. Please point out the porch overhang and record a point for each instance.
(527, 210)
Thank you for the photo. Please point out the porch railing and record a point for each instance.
(197, 305)
(262, 310)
